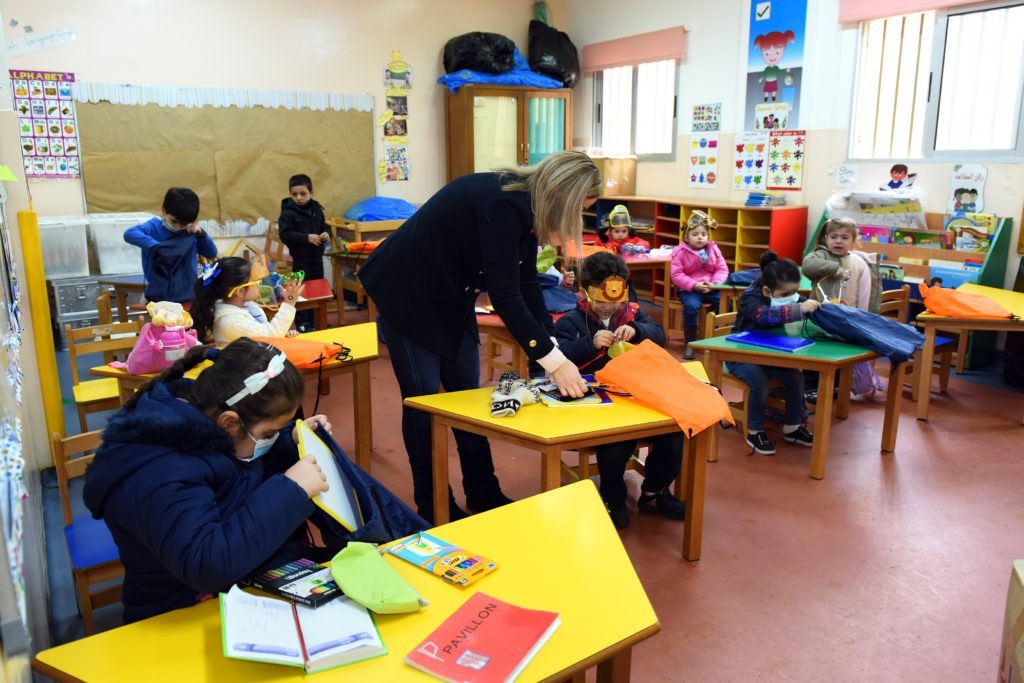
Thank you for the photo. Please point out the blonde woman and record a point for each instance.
(478, 233)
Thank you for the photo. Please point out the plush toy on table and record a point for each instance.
(168, 314)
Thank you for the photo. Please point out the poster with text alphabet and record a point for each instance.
(775, 57)
(703, 160)
(46, 123)
(750, 167)
(968, 188)
(786, 150)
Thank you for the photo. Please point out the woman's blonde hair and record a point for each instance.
(558, 186)
(834, 224)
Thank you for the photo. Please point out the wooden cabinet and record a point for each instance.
(743, 233)
(489, 127)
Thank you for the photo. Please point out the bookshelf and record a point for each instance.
(743, 233)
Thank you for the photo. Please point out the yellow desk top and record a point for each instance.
(595, 589)
(1008, 299)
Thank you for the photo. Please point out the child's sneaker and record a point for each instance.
(760, 442)
(799, 436)
(688, 353)
(620, 518)
(662, 502)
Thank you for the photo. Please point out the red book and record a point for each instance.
(484, 641)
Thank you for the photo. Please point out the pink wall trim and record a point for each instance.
(854, 11)
(669, 43)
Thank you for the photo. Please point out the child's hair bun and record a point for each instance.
(766, 258)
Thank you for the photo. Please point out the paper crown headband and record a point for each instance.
(698, 218)
(259, 268)
(611, 290)
(619, 216)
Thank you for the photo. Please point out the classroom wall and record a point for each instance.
(717, 40)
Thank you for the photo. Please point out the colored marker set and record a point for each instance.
(301, 581)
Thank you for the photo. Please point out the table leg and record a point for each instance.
(321, 315)
(616, 669)
(893, 401)
(339, 289)
(696, 466)
(923, 370)
(362, 413)
(713, 367)
(822, 423)
(845, 386)
(439, 447)
(550, 468)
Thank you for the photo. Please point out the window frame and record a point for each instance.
(597, 127)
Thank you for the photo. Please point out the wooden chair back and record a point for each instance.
(69, 467)
(276, 251)
(718, 324)
(896, 304)
(115, 338)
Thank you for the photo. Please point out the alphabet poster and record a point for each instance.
(786, 159)
(703, 160)
(775, 64)
(46, 122)
(750, 168)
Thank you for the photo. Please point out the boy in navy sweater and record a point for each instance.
(303, 229)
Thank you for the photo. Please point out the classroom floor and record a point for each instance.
(894, 567)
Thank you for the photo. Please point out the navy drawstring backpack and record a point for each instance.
(894, 340)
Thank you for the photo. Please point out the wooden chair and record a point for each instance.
(276, 251)
(896, 305)
(94, 555)
(94, 395)
(719, 325)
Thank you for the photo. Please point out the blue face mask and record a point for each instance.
(782, 301)
(262, 445)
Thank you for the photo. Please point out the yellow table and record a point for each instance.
(360, 339)
(824, 356)
(553, 430)
(556, 551)
(1011, 301)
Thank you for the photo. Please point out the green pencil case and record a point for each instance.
(366, 577)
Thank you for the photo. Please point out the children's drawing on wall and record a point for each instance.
(703, 160)
(968, 188)
(750, 165)
(397, 73)
(396, 158)
(786, 159)
(398, 105)
(900, 178)
(775, 64)
(707, 118)
(395, 127)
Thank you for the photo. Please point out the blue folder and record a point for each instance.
(776, 342)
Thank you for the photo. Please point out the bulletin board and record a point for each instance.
(237, 159)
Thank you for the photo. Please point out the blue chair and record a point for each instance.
(94, 556)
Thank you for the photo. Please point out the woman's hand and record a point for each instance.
(308, 475)
(625, 333)
(293, 289)
(603, 339)
(810, 306)
(312, 423)
(567, 377)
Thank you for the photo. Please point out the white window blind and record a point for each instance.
(655, 107)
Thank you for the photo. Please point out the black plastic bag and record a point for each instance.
(490, 53)
(553, 54)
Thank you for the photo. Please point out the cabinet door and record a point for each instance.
(546, 125)
(495, 132)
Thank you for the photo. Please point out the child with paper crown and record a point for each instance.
(619, 235)
(697, 263)
(226, 302)
(602, 320)
(199, 480)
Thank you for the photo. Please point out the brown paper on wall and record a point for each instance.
(237, 160)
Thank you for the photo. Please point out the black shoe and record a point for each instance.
(489, 502)
(760, 442)
(663, 503)
(620, 518)
(799, 436)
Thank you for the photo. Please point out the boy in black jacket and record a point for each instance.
(303, 229)
(602, 317)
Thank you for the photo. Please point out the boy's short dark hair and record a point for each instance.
(898, 168)
(300, 179)
(182, 203)
(600, 265)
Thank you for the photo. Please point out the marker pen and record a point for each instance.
(321, 647)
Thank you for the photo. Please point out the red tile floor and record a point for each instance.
(892, 568)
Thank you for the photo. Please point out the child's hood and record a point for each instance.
(158, 425)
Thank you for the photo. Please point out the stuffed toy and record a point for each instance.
(168, 314)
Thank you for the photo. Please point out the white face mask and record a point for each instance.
(262, 445)
(171, 228)
(791, 299)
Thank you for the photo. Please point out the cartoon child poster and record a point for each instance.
(775, 64)
(968, 188)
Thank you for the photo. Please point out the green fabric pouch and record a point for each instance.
(367, 578)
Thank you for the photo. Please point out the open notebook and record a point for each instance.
(776, 342)
(339, 500)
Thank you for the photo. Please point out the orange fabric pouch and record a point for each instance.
(306, 354)
(956, 304)
(657, 380)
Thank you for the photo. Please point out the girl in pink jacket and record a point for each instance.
(697, 263)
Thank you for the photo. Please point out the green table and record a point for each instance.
(823, 356)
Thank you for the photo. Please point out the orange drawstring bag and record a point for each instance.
(657, 380)
(953, 303)
(307, 354)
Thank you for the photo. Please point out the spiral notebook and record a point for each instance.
(776, 342)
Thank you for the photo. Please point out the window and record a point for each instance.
(943, 86)
(635, 110)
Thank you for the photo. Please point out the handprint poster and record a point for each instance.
(750, 161)
(786, 157)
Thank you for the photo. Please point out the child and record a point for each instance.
(619, 235)
(303, 229)
(170, 247)
(226, 307)
(697, 263)
(771, 301)
(584, 335)
(838, 272)
(181, 480)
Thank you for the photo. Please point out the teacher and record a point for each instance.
(479, 233)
